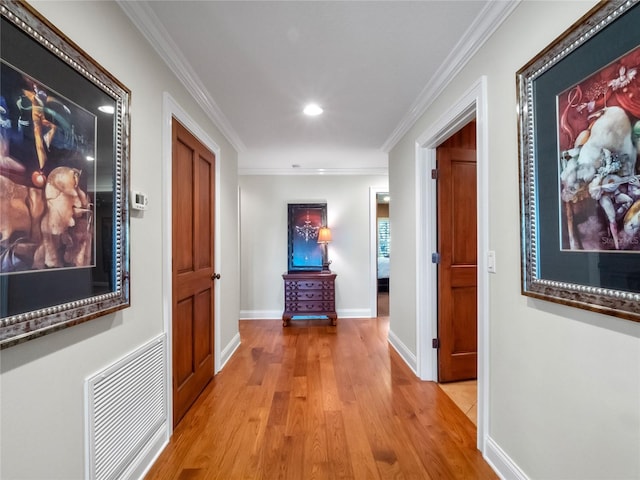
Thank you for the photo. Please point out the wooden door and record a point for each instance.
(193, 269)
(457, 245)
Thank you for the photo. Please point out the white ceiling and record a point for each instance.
(374, 66)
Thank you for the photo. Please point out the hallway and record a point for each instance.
(313, 401)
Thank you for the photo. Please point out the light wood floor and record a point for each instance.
(465, 396)
(312, 401)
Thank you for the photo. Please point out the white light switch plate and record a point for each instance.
(491, 261)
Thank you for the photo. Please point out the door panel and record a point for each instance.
(464, 311)
(463, 202)
(183, 220)
(202, 324)
(193, 268)
(182, 336)
(205, 227)
(457, 244)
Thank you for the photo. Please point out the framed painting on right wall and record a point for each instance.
(579, 139)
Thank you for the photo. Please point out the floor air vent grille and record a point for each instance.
(126, 406)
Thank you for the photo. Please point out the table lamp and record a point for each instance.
(324, 237)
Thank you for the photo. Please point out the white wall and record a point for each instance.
(263, 219)
(564, 387)
(333, 159)
(42, 381)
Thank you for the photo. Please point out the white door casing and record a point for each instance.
(473, 104)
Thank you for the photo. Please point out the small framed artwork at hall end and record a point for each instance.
(305, 220)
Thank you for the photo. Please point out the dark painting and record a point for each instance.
(305, 221)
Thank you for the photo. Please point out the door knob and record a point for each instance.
(215, 276)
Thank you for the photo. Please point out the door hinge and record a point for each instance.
(435, 257)
(434, 173)
(435, 343)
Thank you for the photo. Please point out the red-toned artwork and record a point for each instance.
(579, 138)
(599, 137)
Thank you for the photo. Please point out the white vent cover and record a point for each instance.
(126, 406)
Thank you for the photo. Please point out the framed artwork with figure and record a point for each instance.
(305, 254)
(579, 144)
(64, 217)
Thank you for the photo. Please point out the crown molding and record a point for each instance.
(491, 17)
(152, 29)
(314, 171)
(487, 22)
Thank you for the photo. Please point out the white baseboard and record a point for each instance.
(501, 463)
(148, 456)
(228, 351)
(277, 314)
(260, 314)
(354, 313)
(404, 352)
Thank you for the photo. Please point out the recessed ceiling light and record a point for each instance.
(107, 109)
(312, 109)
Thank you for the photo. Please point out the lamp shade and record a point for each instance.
(324, 235)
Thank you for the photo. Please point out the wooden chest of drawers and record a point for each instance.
(309, 294)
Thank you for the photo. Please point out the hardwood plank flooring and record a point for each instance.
(317, 402)
(465, 395)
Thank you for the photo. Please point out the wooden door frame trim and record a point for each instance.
(473, 104)
(170, 110)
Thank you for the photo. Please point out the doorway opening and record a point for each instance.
(379, 251)
(383, 244)
(472, 105)
(455, 179)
